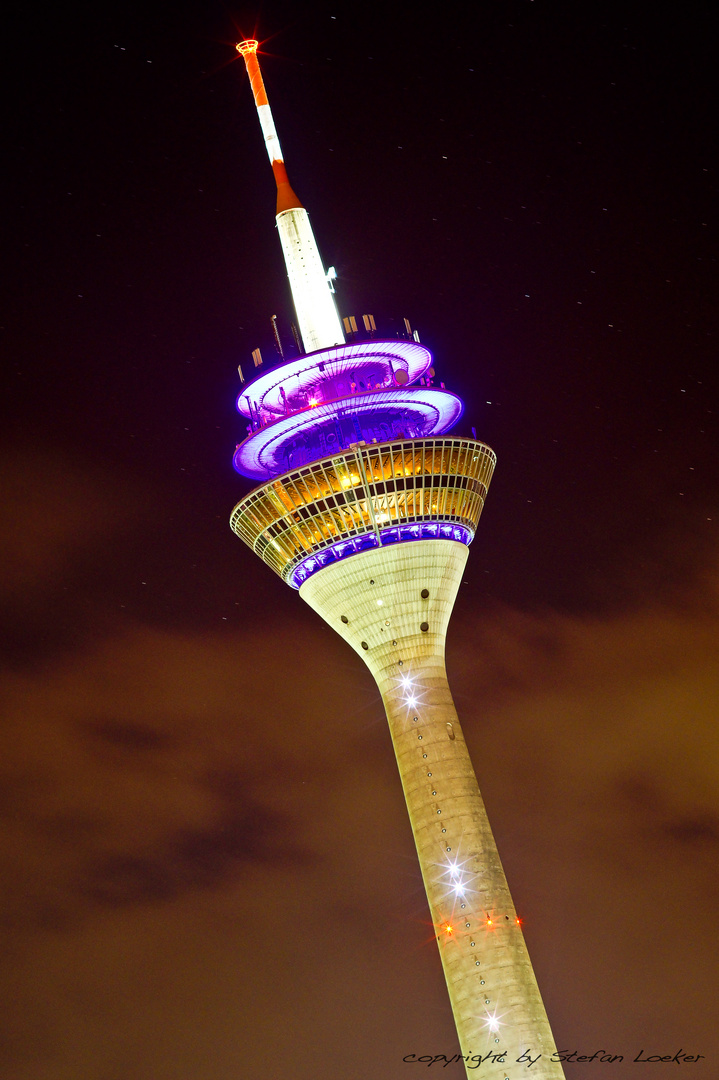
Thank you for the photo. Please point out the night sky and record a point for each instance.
(207, 868)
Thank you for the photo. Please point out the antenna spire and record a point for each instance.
(317, 316)
(286, 198)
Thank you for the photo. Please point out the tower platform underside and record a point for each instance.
(392, 606)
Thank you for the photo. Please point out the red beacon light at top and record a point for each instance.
(248, 46)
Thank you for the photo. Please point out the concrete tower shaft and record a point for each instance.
(392, 605)
(319, 323)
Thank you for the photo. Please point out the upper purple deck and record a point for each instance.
(315, 405)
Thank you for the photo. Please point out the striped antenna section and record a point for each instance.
(286, 198)
(318, 322)
(248, 51)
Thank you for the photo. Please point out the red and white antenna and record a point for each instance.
(317, 316)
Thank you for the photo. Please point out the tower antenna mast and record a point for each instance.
(317, 317)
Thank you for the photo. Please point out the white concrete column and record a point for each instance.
(392, 605)
(319, 323)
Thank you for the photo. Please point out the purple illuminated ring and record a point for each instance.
(377, 416)
(303, 378)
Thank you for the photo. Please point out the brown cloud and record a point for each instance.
(206, 861)
(239, 836)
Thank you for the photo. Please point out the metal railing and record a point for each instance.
(367, 489)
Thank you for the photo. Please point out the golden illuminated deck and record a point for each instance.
(366, 490)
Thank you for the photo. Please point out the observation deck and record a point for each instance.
(324, 402)
(367, 497)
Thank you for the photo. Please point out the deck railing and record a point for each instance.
(368, 490)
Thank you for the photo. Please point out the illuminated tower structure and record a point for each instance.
(367, 506)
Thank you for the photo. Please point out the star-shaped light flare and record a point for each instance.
(492, 1021)
(455, 878)
(412, 696)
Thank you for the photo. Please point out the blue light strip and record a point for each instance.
(398, 534)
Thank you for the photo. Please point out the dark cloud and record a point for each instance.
(697, 831)
(245, 831)
(125, 735)
(128, 879)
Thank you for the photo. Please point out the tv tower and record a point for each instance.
(367, 506)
